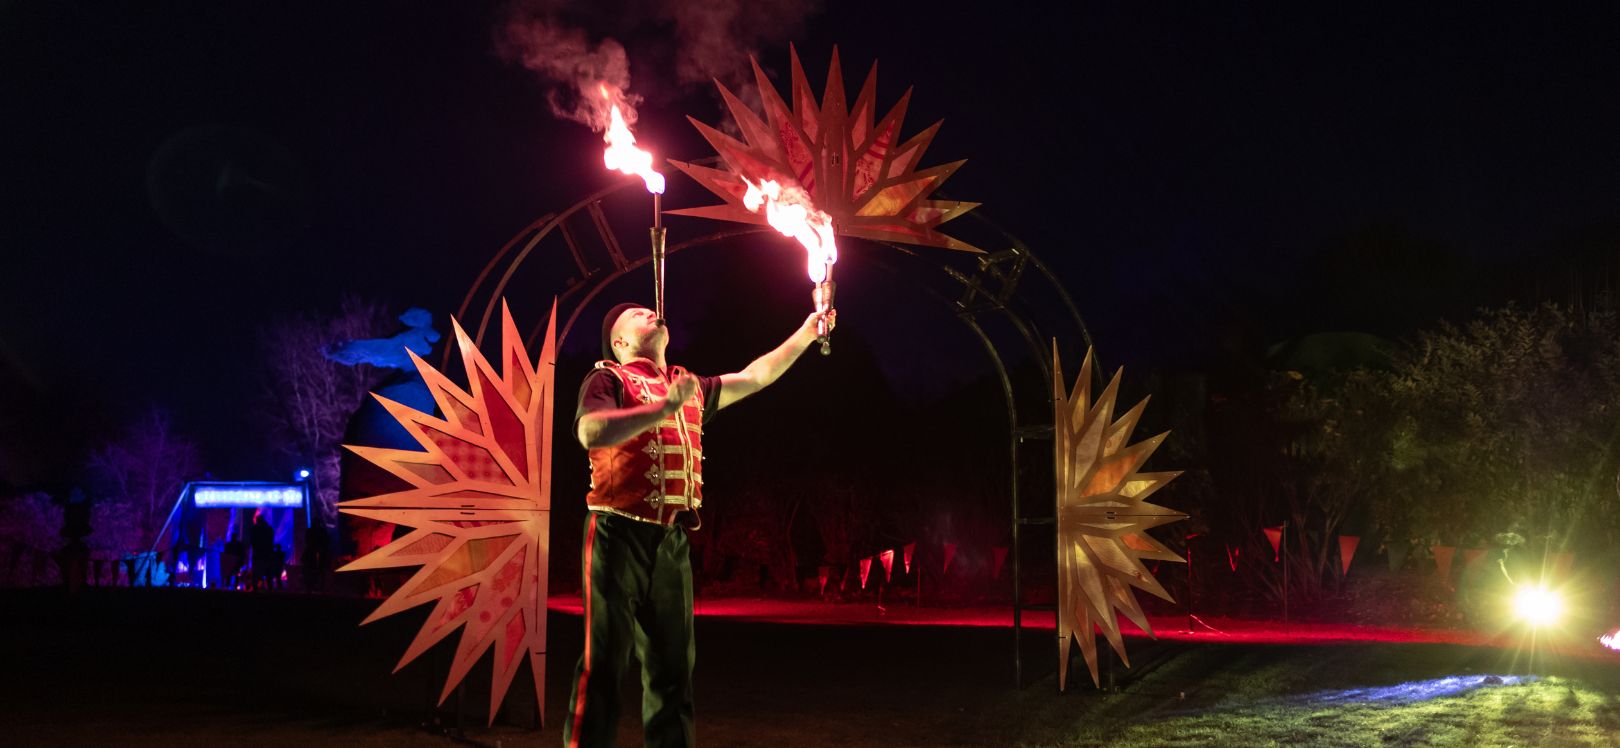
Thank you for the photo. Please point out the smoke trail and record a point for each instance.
(587, 78)
(713, 41)
(716, 38)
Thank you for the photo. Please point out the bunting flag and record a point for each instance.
(909, 549)
(1232, 556)
(1000, 553)
(950, 553)
(1347, 552)
(1442, 560)
(866, 568)
(1471, 559)
(823, 573)
(1274, 534)
(888, 565)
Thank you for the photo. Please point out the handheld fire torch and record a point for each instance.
(822, 297)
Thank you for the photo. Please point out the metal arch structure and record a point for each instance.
(991, 294)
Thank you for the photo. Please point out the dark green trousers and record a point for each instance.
(637, 581)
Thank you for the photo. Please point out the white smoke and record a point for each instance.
(716, 38)
(574, 47)
(587, 77)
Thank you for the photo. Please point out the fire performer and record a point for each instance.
(642, 423)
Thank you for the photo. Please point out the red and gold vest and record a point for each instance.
(658, 472)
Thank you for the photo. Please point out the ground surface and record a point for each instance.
(178, 667)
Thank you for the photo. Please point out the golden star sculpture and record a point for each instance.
(852, 168)
(480, 506)
(1102, 517)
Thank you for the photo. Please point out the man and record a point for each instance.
(642, 423)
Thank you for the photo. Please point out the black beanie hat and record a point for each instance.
(607, 328)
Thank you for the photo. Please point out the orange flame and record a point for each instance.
(622, 154)
(790, 212)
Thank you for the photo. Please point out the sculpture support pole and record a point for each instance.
(1188, 603)
(1282, 542)
(658, 256)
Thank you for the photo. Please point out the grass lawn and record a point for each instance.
(1553, 711)
(181, 667)
(1379, 695)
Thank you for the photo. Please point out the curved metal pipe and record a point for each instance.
(1016, 243)
(466, 299)
(500, 286)
(604, 281)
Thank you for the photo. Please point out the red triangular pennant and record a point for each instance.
(1274, 534)
(909, 549)
(866, 568)
(950, 553)
(1442, 560)
(888, 565)
(1347, 551)
(1001, 557)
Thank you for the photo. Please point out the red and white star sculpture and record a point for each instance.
(479, 503)
(852, 165)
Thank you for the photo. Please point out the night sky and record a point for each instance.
(1183, 168)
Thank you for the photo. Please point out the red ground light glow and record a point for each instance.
(1174, 628)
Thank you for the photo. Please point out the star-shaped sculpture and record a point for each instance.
(1102, 517)
(480, 506)
(854, 169)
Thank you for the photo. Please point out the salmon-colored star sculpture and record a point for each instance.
(480, 505)
(1102, 517)
(851, 164)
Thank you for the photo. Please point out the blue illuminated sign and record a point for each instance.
(280, 495)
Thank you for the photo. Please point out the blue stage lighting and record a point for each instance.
(279, 495)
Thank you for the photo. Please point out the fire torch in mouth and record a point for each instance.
(622, 155)
(790, 211)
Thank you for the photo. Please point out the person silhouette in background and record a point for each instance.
(263, 540)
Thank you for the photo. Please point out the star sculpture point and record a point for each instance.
(1102, 517)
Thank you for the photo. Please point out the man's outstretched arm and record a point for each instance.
(769, 367)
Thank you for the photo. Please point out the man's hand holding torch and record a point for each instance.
(818, 325)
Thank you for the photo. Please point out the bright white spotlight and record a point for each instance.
(1538, 606)
(303, 473)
